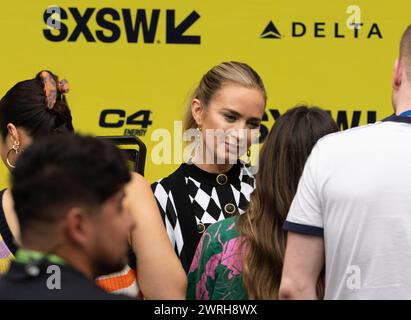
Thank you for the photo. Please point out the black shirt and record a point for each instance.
(18, 284)
(5, 229)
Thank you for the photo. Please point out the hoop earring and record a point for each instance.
(15, 148)
(249, 157)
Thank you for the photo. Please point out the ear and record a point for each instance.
(13, 133)
(397, 78)
(197, 110)
(79, 227)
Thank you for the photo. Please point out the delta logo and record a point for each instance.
(324, 30)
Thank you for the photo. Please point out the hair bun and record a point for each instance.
(63, 86)
(52, 87)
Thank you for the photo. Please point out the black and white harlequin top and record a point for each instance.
(191, 199)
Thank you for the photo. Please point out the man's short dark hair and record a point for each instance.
(405, 50)
(62, 171)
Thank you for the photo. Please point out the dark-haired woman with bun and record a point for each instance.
(30, 109)
(38, 108)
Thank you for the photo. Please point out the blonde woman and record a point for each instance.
(230, 99)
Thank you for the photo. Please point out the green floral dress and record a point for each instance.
(216, 271)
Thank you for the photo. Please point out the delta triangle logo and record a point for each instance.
(271, 32)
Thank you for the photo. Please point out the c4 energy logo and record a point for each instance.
(112, 25)
(136, 123)
(271, 32)
(298, 29)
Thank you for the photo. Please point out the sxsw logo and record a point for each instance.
(112, 24)
(322, 30)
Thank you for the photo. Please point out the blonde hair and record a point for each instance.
(227, 72)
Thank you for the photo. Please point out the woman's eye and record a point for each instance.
(254, 125)
(230, 118)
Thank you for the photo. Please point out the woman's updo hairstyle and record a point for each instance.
(37, 105)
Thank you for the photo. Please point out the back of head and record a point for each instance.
(64, 171)
(37, 105)
(282, 160)
(286, 150)
(405, 51)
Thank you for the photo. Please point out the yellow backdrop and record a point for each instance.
(146, 70)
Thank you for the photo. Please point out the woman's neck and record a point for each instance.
(213, 168)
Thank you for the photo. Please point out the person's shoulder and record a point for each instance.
(164, 188)
(138, 184)
(351, 135)
(138, 178)
(76, 286)
(69, 284)
(164, 183)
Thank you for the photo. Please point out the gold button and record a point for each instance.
(230, 208)
(222, 179)
(201, 228)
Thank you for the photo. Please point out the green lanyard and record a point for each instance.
(28, 256)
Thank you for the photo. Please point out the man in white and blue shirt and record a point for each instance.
(352, 210)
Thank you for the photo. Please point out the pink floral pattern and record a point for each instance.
(217, 267)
